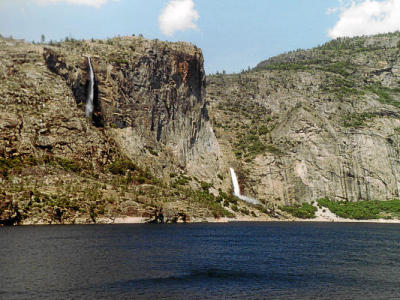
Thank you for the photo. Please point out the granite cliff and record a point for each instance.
(150, 95)
(304, 125)
(148, 146)
(315, 123)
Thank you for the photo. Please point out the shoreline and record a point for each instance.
(140, 220)
(331, 218)
(323, 215)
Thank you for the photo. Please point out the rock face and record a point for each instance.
(304, 125)
(38, 117)
(9, 215)
(318, 123)
(149, 144)
(151, 96)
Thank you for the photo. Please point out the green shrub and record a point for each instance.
(141, 179)
(15, 164)
(209, 200)
(262, 130)
(119, 61)
(245, 211)
(384, 94)
(119, 167)
(68, 165)
(206, 186)
(304, 211)
(9, 164)
(274, 150)
(342, 68)
(180, 181)
(357, 120)
(153, 152)
(283, 66)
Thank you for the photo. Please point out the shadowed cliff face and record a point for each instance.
(151, 96)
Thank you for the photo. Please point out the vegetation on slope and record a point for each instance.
(339, 76)
(363, 210)
(72, 188)
(303, 211)
(248, 122)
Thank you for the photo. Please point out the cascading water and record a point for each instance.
(236, 189)
(89, 101)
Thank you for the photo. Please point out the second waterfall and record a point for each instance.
(236, 189)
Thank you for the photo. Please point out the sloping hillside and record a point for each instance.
(323, 122)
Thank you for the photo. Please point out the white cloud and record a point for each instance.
(95, 3)
(366, 17)
(178, 15)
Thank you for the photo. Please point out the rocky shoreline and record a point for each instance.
(142, 220)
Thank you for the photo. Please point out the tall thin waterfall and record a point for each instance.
(89, 101)
(236, 189)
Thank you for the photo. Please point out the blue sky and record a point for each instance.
(233, 34)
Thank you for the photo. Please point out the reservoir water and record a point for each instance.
(201, 261)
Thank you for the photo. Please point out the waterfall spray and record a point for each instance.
(89, 101)
(236, 189)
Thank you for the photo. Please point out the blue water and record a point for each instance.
(201, 261)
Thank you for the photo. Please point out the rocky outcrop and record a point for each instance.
(9, 214)
(38, 114)
(148, 145)
(10, 134)
(169, 217)
(150, 96)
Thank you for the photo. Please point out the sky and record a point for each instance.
(233, 34)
